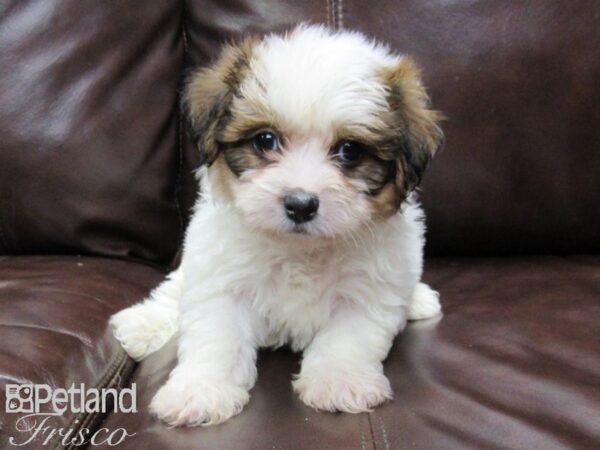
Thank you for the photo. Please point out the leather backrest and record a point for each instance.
(94, 158)
(88, 127)
(520, 85)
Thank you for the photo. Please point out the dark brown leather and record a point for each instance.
(78, 95)
(512, 364)
(88, 127)
(53, 326)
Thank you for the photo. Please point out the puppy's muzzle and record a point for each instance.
(301, 206)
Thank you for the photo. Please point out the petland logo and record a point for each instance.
(39, 403)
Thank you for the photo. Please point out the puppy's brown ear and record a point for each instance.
(208, 95)
(417, 126)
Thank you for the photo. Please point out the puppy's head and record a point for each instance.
(314, 132)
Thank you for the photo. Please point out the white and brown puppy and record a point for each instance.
(306, 233)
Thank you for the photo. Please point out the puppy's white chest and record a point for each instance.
(295, 301)
(298, 278)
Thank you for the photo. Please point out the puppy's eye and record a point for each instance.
(348, 153)
(265, 141)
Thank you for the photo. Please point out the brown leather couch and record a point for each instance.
(96, 186)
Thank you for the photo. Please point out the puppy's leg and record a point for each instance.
(425, 303)
(216, 367)
(145, 327)
(342, 368)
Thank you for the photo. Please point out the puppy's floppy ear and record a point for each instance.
(208, 95)
(417, 126)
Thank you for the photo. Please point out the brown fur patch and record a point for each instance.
(375, 172)
(209, 93)
(410, 135)
(223, 179)
(385, 203)
(242, 157)
(245, 123)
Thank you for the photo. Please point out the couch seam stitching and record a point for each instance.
(334, 14)
(180, 121)
(88, 418)
(2, 237)
(114, 368)
(369, 417)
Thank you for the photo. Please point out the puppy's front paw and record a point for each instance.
(191, 403)
(425, 303)
(143, 328)
(342, 389)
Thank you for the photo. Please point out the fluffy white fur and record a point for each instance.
(339, 292)
(316, 80)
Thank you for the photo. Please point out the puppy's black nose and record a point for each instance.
(301, 206)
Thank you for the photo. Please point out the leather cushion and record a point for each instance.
(88, 127)
(53, 327)
(512, 364)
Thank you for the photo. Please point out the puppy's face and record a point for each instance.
(313, 133)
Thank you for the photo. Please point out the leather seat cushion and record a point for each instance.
(53, 326)
(512, 364)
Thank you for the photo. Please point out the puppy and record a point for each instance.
(307, 232)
